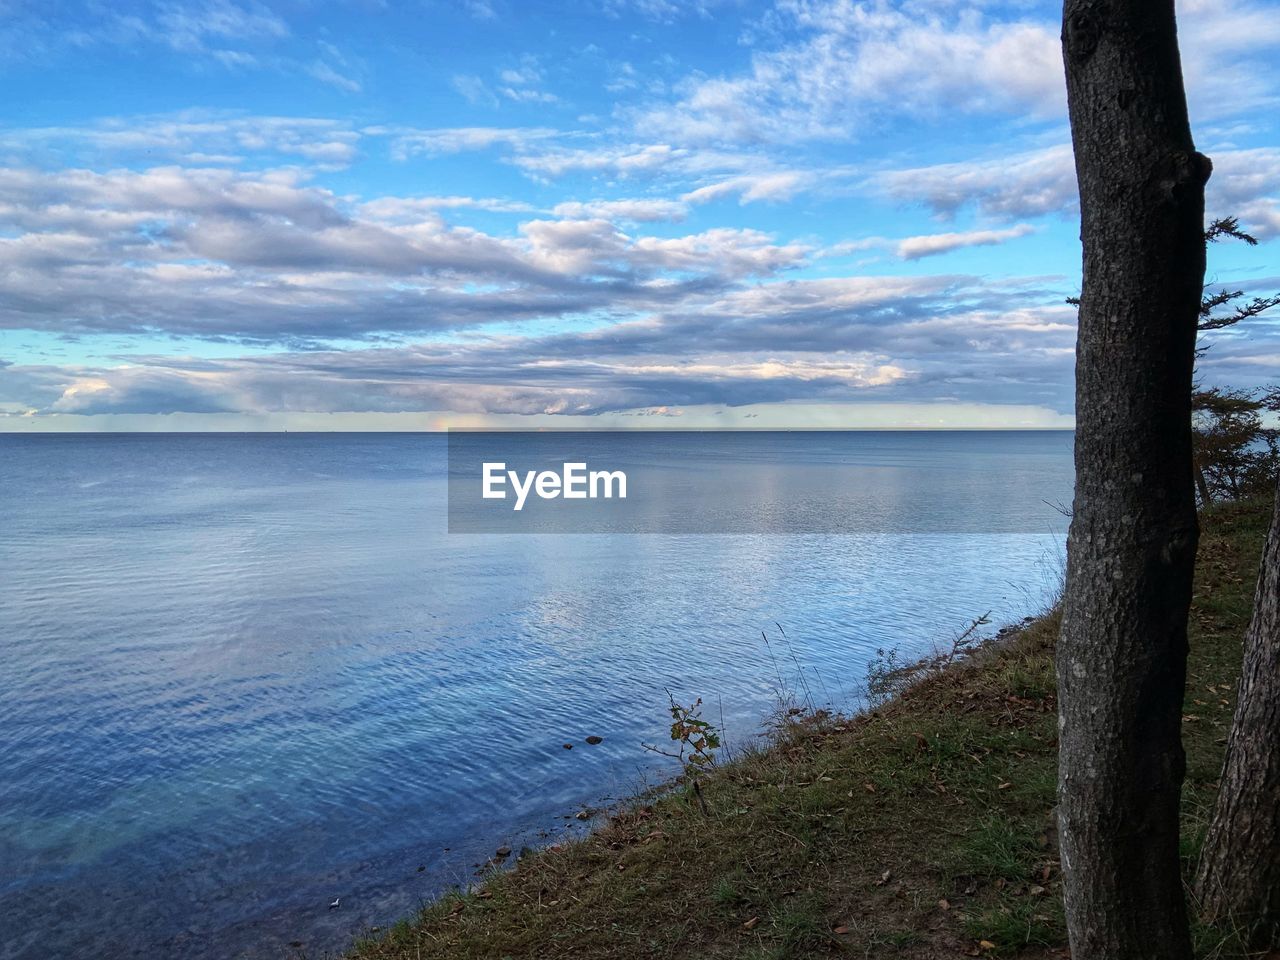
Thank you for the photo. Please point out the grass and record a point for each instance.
(921, 829)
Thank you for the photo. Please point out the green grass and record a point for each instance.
(922, 829)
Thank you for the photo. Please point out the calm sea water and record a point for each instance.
(244, 675)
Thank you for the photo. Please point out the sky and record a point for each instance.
(364, 215)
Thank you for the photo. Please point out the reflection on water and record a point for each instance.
(247, 674)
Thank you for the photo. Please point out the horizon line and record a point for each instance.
(448, 430)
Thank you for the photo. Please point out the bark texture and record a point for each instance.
(1239, 875)
(1131, 549)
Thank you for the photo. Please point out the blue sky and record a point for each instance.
(379, 215)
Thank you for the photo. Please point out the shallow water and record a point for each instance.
(247, 674)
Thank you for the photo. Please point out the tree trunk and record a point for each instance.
(1239, 875)
(1131, 549)
(1202, 485)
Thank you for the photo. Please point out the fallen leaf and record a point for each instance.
(751, 924)
(986, 945)
(840, 931)
(944, 904)
(884, 878)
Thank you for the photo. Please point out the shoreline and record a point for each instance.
(919, 828)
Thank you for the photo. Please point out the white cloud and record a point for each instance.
(575, 246)
(804, 341)
(737, 253)
(863, 59)
(415, 209)
(930, 245)
(521, 84)
(619, 161)
(216, 226)
(750, 187)
(230, 138)
(266, 256)
(236, 36)
(1244, 183)
(474, 90)
(1027, 184)
(408, 142)
(481, 9)
(190, 27)
(1228, 51)
(327, 73)
(664, 11)
(528, 95)
(639, 210)
(853, 369)
(831, 296)
(837, 68)
(1261, 217)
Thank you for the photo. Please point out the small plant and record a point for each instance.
(888, 675)
(884, 675)
(796, 699)
(696, 739)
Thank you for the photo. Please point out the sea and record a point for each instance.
(257, 700)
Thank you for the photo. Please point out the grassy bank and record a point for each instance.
(923, 829)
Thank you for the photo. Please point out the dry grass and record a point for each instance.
(923, 829)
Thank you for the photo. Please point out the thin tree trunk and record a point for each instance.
(1239, 875)
(1131, 550)
(1202, 485)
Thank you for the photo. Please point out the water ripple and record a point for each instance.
(245, 675)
